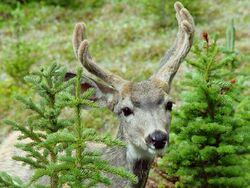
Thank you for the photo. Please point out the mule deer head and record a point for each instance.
(144, 108)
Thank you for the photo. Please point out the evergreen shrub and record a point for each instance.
(58, 147)
(210, 132)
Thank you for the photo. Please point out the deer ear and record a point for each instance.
(104, 95)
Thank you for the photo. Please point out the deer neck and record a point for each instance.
(139, 164)
(136, 160)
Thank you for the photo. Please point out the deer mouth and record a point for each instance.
(157, 152)
(157, 142)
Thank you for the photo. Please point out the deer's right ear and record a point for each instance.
(106, 96)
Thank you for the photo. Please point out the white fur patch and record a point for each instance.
(135, 153)
(157, 152)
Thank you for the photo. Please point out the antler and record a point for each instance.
(171, 61)
(80, 45)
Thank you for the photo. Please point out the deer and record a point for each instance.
(144, 108)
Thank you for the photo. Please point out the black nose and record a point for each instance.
(158, 139)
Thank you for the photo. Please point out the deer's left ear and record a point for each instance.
(106, 96)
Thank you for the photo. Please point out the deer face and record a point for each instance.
(143, 107)
(144, 110)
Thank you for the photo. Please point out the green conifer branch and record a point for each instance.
(10, 182)
(57, 146)
(210, 147)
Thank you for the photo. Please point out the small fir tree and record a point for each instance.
(210, 139)
(58, 146)
(19, 54)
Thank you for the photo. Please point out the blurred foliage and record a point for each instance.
(165, 14)
(9, 106)
(229, 48)
(5, 14)
(18, 61)
(8, 91)
(19, 55)
(64, 3)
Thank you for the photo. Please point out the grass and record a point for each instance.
(122, 39)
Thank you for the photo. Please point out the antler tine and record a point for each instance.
(78, 37)
(80, 45)
(170, 63)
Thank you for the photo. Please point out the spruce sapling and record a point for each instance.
(210, 147)
(57, 147)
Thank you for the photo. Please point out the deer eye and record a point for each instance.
(127, 111)
(169, 105)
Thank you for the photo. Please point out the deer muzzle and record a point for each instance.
(157, 139)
